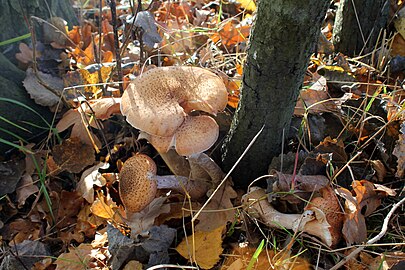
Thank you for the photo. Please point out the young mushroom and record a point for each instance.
(139, 183)
(321, 218)
(158, 103)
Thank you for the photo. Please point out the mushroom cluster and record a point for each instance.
(159, 103)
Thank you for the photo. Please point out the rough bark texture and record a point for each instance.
(281, 43)
(13, 23)
(15, 15)
(368, 15)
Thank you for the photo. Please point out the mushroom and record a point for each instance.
(158, 103)
(139, 183)
(321, 218)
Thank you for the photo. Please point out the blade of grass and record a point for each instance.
(26, 107)
(19, 147)
(16, 39)
(13, 134)
(14, 124)
(255, 256)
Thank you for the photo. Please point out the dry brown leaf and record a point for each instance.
(142, 221)
(25, 188)
(25, 55)
(78, 258)
(208, 247)
(39, 92)
(72, 155)
(314, 101)
(221, 202)
(363, 203)
(80, 128)
(106, 208)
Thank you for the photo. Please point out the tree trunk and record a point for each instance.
(357, 27)
(15, 16)
(282, 40)
(14, 19)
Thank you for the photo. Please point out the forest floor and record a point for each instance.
(333, 199)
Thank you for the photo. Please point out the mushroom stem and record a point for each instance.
(195, 189)
(203, 161)
(257, 202)
(177, 164)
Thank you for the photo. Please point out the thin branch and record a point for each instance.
(113, 7)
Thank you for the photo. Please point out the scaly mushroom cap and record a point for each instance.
(196, 135)
(327, 210)
(158, 101)
(137, 182)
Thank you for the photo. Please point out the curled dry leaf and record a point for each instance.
(305, 185)
(360, 203)
(42, 95)
(89, 178)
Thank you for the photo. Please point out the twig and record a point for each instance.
(372, 240)
(113, 7)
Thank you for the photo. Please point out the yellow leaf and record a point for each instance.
(208, 247)
(93, 78)
(248, 5)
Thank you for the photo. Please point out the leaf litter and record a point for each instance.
(348, 136)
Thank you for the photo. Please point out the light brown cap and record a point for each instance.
(327, 212)
(196, 135)
(158, 101)
(137, 186)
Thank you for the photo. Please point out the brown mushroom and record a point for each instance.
(158, 103)
(322, 217)
(139, 183)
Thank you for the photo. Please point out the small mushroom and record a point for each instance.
(322, 217)
(139, 183)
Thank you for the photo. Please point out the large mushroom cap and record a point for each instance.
(158, 101)
(137, 182)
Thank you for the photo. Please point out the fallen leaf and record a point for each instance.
(10, 174)
(224, 211)
(26, 188)
(363, 203)
(72, 155)
(89, 178)
(76, 118)
(106, 208)
(207, 247)
(38, 87)
(231, 33)
(142, 221)
(78, 258)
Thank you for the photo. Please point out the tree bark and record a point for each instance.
(15, 16)
(14, 19)
(281, 42)
(357, 27)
